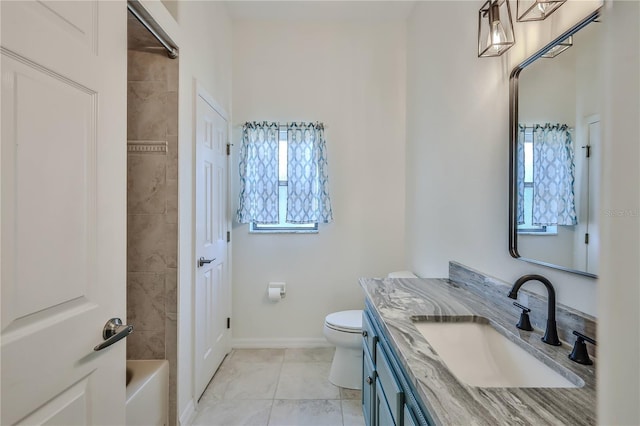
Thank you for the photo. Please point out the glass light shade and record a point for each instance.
(536, 10)
(559, 48)
(495, 28)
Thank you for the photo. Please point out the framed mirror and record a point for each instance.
(554, 185)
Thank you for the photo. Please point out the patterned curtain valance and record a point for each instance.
(307, 174)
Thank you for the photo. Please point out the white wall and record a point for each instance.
(458, 146)
(619, 292)
(351, 76)
(203, 35)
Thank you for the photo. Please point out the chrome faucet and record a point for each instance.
(551, 334)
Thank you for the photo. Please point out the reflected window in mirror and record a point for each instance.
(526, 185)
(546, 176)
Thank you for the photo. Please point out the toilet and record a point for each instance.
(344, 330)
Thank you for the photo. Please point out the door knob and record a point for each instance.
(113, 331)
(202, 261)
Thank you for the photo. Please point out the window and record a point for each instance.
(527, 227)
(284, 184)
(283, 225)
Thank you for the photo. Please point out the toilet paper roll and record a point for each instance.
(274, 294)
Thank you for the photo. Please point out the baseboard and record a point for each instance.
(311, 342)
(188, 414)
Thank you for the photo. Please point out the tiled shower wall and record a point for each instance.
(152, 209)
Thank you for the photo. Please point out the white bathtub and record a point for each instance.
(147, 392)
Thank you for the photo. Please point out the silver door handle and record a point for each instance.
(202, 261)
(113, 331)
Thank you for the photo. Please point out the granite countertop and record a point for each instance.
(397, 302)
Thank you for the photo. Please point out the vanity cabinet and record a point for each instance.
(387, 397)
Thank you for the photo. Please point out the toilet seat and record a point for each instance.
(345, 321)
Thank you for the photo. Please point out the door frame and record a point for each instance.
(200, 91)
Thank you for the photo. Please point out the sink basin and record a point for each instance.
(480, 356)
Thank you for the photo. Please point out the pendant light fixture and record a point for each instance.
(495, 28)
(559, 48)
(536, 10)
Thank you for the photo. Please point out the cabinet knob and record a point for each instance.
(364, 333)
(369, 380)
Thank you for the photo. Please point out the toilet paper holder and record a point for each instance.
(278, 286)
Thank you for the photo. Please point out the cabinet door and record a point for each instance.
(383, 413)
(389, 383)
(369, 336)
(368, 388)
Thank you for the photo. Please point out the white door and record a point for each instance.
(593, 225)
(212, 291)
(63, 222)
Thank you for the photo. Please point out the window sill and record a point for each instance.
(284, 231)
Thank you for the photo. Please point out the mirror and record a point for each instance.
(555, 99)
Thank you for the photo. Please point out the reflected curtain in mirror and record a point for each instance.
(554, 176)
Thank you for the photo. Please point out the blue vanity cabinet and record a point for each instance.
(388, 388)
(369, 336)
(369, 376)
(388, 399)
(368, 388)
(383, 412)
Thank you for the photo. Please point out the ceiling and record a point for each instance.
(358, 10)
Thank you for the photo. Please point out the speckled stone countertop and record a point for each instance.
(397, 303)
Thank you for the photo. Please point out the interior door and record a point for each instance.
(593, 225)
(212, 276)
(63, 222)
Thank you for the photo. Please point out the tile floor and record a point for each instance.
(278, 387)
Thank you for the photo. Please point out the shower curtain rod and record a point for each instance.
(152, 26)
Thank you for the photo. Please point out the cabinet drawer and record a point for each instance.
(369, 335)
(389, 383)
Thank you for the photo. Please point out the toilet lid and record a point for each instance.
(346, 320)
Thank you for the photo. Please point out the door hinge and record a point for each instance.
(228, 236)
(586, 238)
(228, 322)
(588, 147)
(228, 149)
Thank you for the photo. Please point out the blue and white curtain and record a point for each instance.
(259, 173)
(553, 176)
(308, 182)
(520, 177)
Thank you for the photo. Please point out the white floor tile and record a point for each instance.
(244, 380)
(234, 413)
(257, 355)
(306, 380)
(309, 355)
(256, 387)
(352, 412)
(306, 413)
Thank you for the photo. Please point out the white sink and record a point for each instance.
(480, 356)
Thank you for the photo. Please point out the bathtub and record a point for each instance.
(147, 392)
